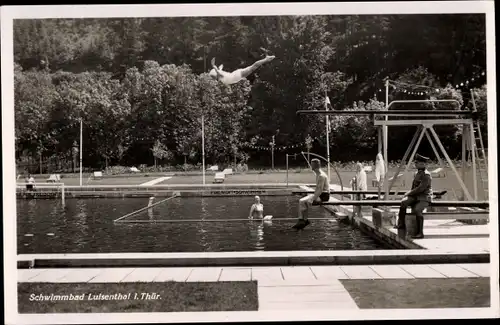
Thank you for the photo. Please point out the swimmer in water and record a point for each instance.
(236, 76)
(257, 209)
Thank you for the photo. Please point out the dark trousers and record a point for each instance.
(417, 207)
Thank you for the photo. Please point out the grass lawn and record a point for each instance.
(134, 180)
(420, 293)
(169, 297)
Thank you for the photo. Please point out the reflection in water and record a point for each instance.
(81, 233)
(202, 233)
(86, 226)
(260, 237)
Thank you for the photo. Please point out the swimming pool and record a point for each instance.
(86, 226)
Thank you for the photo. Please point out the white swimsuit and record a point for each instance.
(230, 78)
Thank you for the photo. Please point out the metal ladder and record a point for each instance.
(478, 147)
(481, 159)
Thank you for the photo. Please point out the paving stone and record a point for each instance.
(51, 275)
(81, 275)
(143, 275)
(236, 274)
(178, 274)
(359, 272)
(422, 271)
(112, 275)
(308, 305)
(205, 274)
(27, 275)
(453, 271)
(292, 273)
(267, 274)
(391, 272)
(328, 272)
(482, 270)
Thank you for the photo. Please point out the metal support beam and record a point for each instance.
(400, 112)
(443, 150)
(420, 122)
(408, 150)
(416, 101)
(379, 142)
(436, 152)
(420, 137)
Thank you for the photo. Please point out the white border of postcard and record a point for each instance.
(250, 9)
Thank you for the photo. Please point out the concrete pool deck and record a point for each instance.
(318, 287)
(440, 235)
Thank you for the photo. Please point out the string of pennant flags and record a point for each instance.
(280, 148)
(422, 90)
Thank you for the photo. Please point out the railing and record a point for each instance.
(44, 186)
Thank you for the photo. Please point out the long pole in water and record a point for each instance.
(81, 151)
(327, 136)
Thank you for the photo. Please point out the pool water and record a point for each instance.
(86, 226)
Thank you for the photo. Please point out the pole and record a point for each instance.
(272, 153)
(464, 155)
(473, 156)
(385, 140)
(327, 136)
(203, 145)
(203, 122)
(286, 170)
(81, 151)
(63, 195)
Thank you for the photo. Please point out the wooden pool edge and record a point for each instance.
(161, 191)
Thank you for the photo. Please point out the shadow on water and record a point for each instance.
(86, 226)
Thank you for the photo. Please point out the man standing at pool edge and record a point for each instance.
(321, 194)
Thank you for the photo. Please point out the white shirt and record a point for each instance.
(361, 181)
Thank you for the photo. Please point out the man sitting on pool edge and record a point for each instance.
(321, 194)
(418, 198)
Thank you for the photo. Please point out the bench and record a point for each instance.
(219, 177)
(438, 173)
(54, 178)
(436, 194)
(465, 215)
(97, 175)
(393, 203)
